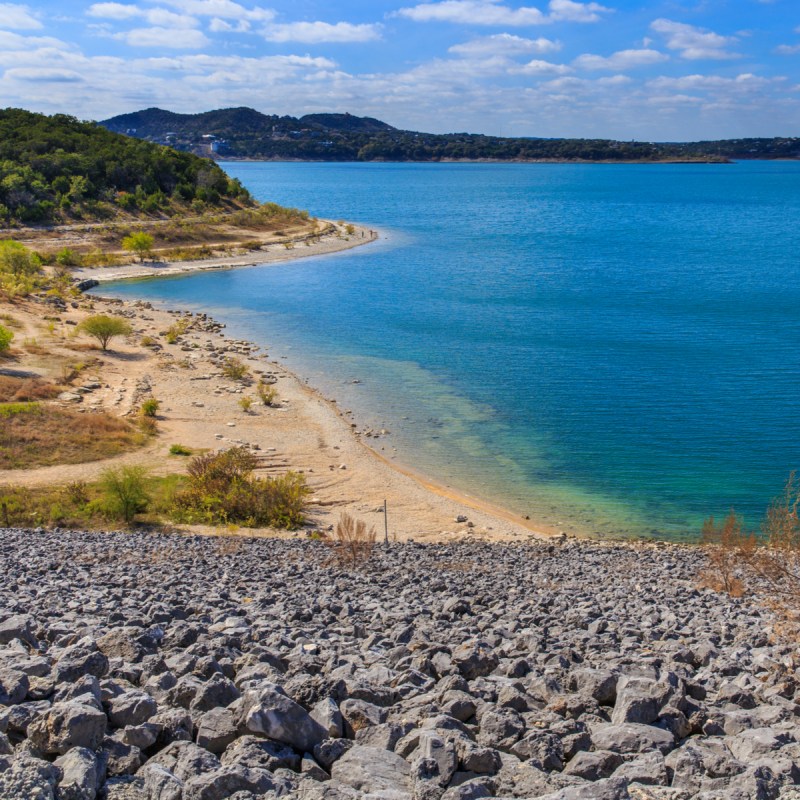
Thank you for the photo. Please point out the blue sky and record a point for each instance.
(661, 70)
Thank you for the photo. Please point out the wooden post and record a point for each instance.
(385, 523)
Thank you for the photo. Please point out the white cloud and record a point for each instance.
(316, 32)
(18, 18)
(221, 9)
(787, 49)
(218, 25)
(537, 67)
(473, 12)
(172, 38)
(158, 17)
(620, 61)
(118, 11)
(505, 44)
(570, 11)
(44, 75)
(493, 12)
(694, 43)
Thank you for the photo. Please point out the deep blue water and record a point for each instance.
(613, 348)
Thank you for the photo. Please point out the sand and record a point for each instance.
(200, 408)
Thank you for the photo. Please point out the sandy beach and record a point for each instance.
(349, 469)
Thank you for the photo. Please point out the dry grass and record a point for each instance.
(352, 542)
(19, 390)
(35, 435)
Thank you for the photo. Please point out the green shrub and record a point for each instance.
(104, 328)
(267, 393)
(235, 369)
(124, 492)
(221, 489)
(67, 258)
(149, 407)
(245, 403)
(179, 450)
(5, 338)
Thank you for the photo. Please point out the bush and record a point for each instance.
(353, 543)
(5, 338)
(235, 369)
(104, 328)
(67, 258)
(768, 560)
(149, 407)
(124, 492)
(222, 490)
(267, 393)
(140, 243)
(245, 403)
(179, 450)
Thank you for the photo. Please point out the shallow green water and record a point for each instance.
(612, 348)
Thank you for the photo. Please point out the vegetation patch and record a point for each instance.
(36, 435)
(221, 489)
(18, 390)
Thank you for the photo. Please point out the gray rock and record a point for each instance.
(80, 775)
(29, 778)
(256, 753)
(632, 738)
(81, 659)
(68, 725)
(368, 770)
(216, 729)
(475, 659)
(269, 712)
(226, 781)
(13, 686)
(327, 715)
(216, 692)
(599, 684)
(593, 765)
(131, 708)
(19, 626)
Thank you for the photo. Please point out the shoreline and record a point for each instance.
(308, 432)
(335, 242)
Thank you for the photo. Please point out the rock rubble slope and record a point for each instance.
(138, 666)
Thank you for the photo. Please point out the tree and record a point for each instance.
(5, 338)
(140, 243)
(17, 259)
(104, 328)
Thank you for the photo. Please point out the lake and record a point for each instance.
(611, 349)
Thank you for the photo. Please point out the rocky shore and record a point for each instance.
(144, 666)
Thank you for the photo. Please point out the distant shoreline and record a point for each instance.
(717, 161)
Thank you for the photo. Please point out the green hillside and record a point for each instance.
(57, 169)
(246, 133)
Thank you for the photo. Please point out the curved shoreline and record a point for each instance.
(421, 497)
(327, 244)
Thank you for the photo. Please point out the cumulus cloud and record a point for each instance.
(317, 32)
(43, 75)
(620, 61)
(694, 43)
(171, 38)
(158, 17)
(493, 12)
(18, 18)
(504, 44)
(787, 49)
(221, 9)
(570, 11)
(537, 67)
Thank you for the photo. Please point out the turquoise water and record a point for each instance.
(613, 349)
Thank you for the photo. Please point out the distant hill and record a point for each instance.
(245, 133)
(57, 169)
